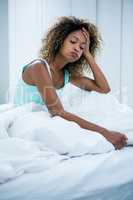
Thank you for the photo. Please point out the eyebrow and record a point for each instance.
(78, 39)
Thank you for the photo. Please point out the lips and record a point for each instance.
(74, 55)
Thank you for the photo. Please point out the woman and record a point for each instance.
(68, 48)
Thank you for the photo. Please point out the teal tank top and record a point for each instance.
(26, 93)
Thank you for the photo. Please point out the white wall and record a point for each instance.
(4, 65)
(28, 20)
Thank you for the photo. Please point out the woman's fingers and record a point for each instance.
(119, 140)
(85, 31)
(124, 139)
(86, 34)
(122, 143)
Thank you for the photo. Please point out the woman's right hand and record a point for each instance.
(118, 139)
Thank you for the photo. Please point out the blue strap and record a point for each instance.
(66, 78)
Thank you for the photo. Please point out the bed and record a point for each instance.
(92, 169)
(88, 177)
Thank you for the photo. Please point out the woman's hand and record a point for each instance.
(119, 140)
(100, 83)
(86, 51)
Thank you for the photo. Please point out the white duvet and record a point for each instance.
(32, 141)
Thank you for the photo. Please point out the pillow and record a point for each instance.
(60, 135)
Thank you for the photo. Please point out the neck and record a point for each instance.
(58, 63)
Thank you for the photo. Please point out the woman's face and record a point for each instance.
(73, 46)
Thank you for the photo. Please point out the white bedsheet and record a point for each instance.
(18, 156)
(105, 176)
(56, 176)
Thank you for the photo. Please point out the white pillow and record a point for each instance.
(61, 135)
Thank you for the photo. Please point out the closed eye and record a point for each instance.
(82, 48)
(73, 42)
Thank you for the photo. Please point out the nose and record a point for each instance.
(77, 48)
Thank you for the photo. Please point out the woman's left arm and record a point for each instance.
(98, 84)
(100, 80)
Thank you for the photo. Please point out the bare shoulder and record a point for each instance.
(40, 77)
(35, 72)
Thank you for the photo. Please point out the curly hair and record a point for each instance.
(53, 41)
